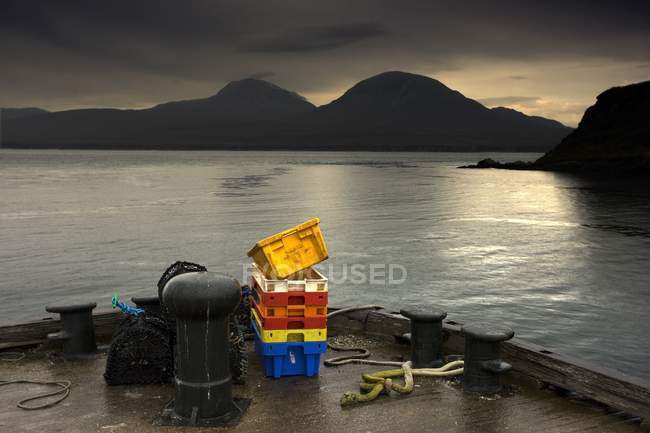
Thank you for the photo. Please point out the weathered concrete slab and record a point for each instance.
(298, 404)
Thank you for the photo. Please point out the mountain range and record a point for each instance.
(390, 111)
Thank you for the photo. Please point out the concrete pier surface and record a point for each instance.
(299, 404)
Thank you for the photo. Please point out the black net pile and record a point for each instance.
(243, 311)
(142, 350)
(238, 355)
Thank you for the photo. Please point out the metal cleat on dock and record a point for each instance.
(483, 363)
(78, 330)
(426, 335)
(150, 304)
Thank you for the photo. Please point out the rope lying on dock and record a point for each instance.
(364, 353)
(355, 359)
(64, 390)
(381, 381)
(64, 385)
(351, 309)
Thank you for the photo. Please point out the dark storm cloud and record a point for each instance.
(508, 100)
(315, 38)
(70, 23)
(65, 53)
(262, 75)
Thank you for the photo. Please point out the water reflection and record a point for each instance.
(247, 185)
(562, 260)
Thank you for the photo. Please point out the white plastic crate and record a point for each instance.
(308, 280)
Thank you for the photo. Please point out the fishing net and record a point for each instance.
(243, 311)
(238, 355)
(142, 352)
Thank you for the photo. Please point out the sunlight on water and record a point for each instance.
(562, 260)
(522, 221)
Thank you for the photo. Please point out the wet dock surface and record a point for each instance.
(299, 404)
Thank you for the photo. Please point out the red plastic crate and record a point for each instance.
(317, 322)
(281, 299)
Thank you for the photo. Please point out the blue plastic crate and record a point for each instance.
(289, 359)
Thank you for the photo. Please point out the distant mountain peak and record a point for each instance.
(395, 76)
(251, 83)
(395, 82)
(254, 87)
(243, 100)
(405, 98)
(401, 104)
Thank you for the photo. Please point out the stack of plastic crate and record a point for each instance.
(289, 313)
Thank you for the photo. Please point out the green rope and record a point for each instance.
(380, 382)
(64, 391)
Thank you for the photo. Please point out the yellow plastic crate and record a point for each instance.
(288, 335)
(291, 251)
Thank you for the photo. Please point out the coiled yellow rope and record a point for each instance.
(375, 383)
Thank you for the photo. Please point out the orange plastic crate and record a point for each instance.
(293, 310)
(279, 322)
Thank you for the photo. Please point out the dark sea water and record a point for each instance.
(563, 260)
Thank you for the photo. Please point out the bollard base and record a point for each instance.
(229, 419)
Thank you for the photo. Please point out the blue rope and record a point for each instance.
(126, 309)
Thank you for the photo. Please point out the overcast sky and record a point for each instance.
(548, 58)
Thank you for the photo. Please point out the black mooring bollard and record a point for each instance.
(426, 335)
(483, 363)
(150, 304)
(77, 329)
(201, 303)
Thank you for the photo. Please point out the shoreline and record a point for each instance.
(621, 167)
(272, 148)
